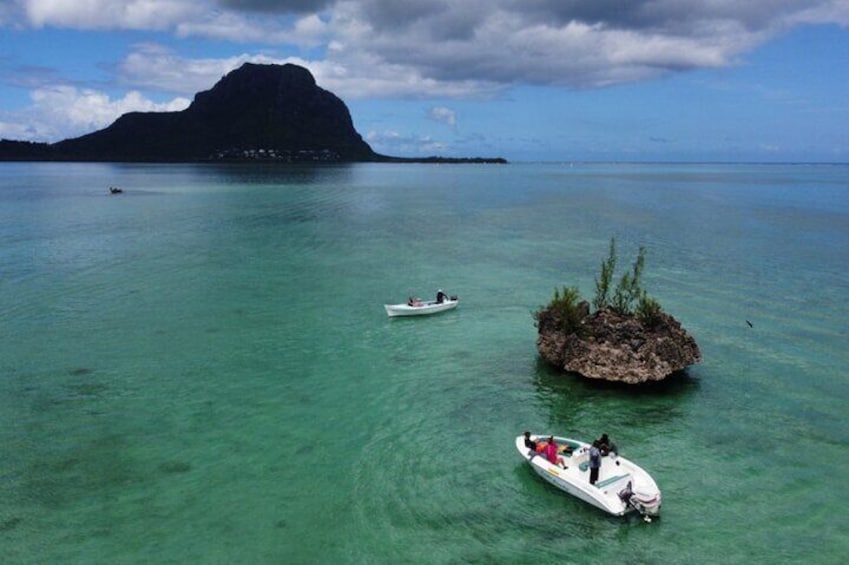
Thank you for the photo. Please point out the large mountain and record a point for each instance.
(257, 112)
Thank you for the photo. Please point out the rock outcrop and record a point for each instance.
(256, 111)
(615, 347)
(270, 113)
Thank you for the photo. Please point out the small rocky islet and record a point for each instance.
(627, 338)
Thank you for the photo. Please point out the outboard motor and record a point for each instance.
(647, 505)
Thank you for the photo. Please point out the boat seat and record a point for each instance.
(610, 480)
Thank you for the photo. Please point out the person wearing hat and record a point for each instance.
(440, 296)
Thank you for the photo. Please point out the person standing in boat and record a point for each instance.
(440, 296)
(595, 462)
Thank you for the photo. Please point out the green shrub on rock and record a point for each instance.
(627, 299)
(564, 313)
(648, 310)
(628, 291)
(602, 284)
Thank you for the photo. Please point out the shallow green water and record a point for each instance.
(200, 369)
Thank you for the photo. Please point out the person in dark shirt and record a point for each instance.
(605, 445)
(529, 443)
(595, 462)
(440, 296)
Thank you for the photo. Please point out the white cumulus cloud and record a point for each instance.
(110, 14)
(443, 48)
(395, 143)
(63, 111)
(443, 115)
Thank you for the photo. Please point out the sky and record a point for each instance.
(527, 80)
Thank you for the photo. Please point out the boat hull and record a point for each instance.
(616, 475)
(426, 309)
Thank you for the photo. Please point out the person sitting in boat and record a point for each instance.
(529, 443)
(605, 446)
(551, 453)
(415, 302)
(441, 296)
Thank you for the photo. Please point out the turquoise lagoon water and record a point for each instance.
(200, 370)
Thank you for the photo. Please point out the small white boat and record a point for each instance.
(622, 485)
(421, 308)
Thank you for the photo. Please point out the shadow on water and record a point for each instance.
(549, 379)
(174, 467)
(277, 173)
(252, 173)
(10, 524)
(575, 402)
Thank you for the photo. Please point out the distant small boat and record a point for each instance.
(622, 485)
(115, 190)
(421, 308)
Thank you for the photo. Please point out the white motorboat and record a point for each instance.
(421, 308)
(622, 485)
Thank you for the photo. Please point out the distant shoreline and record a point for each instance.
(27, 151)
(12, 151)
(440, 160)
